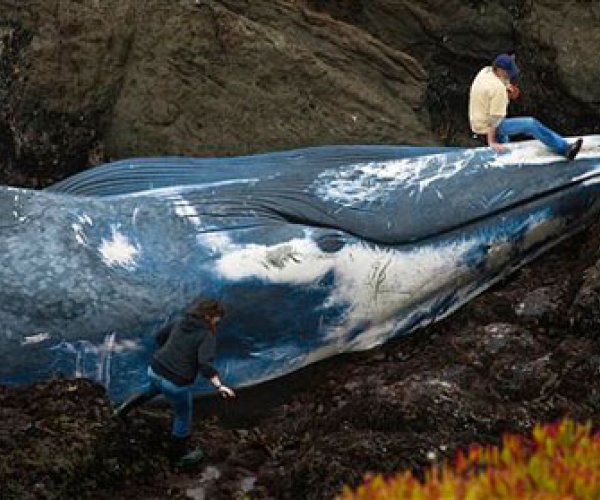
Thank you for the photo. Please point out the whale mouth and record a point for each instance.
(403, 216)
(537, 198)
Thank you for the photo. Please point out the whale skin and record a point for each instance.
(313, 252)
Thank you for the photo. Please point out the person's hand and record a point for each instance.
(496, 146)
(226, 392)
(513, 92)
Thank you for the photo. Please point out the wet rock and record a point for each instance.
(586, 304)
(570, 44)
(68, 446)
(526, 381)
(196, 493)
(539, 304)
(247, 484)
(493, 345)
(61, 71)
(210, 473)
(504, 337)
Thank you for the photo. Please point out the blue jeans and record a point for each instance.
(179, 397)
(531, 127)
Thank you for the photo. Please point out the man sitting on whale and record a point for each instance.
(488, 102)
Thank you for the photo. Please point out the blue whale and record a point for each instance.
(313, 252)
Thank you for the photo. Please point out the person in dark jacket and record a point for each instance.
(186, 348)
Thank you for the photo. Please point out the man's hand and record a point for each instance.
(226, 392)
(497, 147)
(513, 92)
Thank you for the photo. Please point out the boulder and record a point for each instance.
(196, 78)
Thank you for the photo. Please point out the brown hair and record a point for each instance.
(206, 307)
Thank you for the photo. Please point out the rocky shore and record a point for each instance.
(85, 82)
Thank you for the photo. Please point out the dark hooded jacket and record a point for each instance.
(187, 347)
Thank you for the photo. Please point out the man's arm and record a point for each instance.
(206, 354)
(491, 140)
(498, 105)
(209, 372)
(494, 121)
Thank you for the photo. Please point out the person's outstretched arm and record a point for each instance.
(208, 371)
(206, 354)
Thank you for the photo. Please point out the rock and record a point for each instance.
(209, 473)
(226, 78)
(539, 304)
(567, 31)
(196, 493)
(585, 309)
(247, 484)
(558, 43)
(526, 380)
(62, 70)
(421, 28)
(493, 343)
(498, 336)
(198, 79)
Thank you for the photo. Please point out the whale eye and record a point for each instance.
(330, 243)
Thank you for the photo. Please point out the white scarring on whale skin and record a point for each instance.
(118, 251)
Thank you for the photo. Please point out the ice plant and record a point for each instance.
(560, 460)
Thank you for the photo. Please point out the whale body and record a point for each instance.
(312, 252)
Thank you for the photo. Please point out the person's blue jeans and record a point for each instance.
(179, 397)
(530, 126)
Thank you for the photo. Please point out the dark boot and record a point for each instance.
(132, 402)
(573, 149)
(182, 455)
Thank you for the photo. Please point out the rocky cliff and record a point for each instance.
(85, 81)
